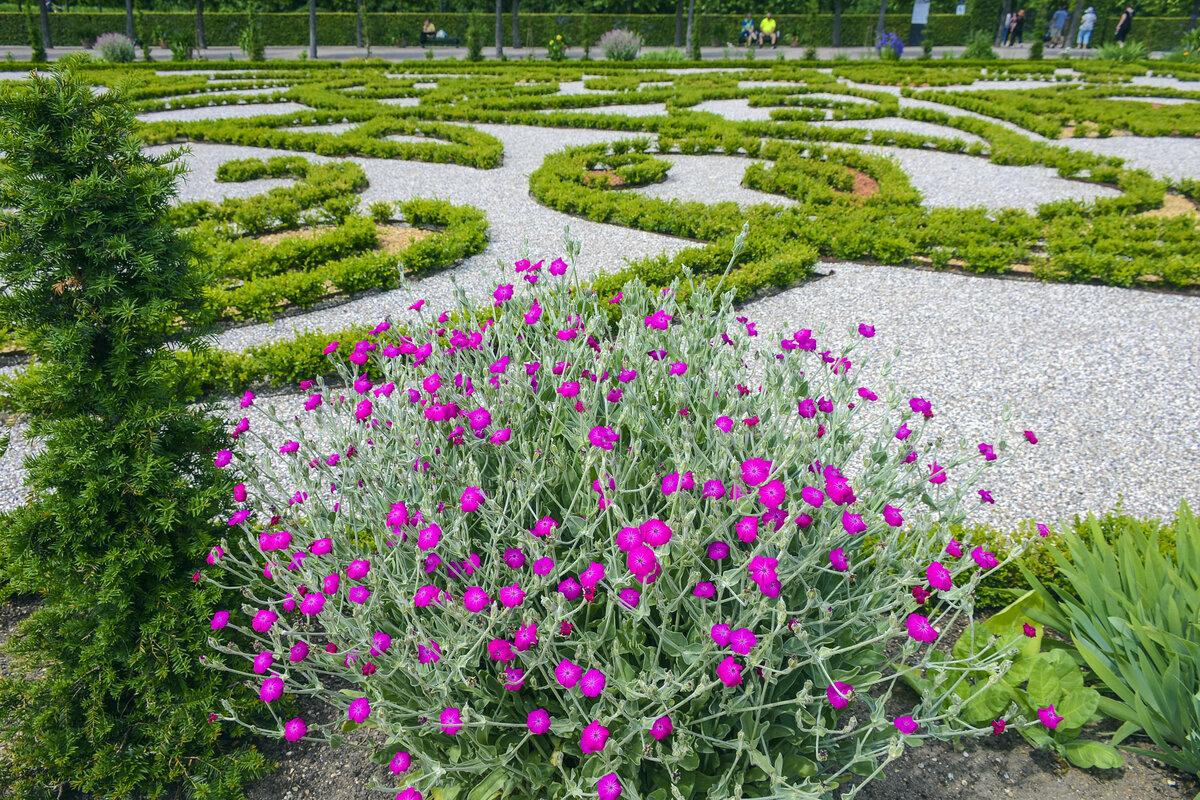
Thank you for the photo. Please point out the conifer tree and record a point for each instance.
(124, 498)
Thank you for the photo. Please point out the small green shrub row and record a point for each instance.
(246, 259)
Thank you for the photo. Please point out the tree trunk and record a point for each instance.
(499, 28)
(1004, 12)
(837, 23)
(200, 42)
(44, 13)
(516, 27)
(358, 24)
(880, 25)
(312, 28)
(1195, 14)
(691, 25)
(678, 23)
(1073, 28)
(129, 18)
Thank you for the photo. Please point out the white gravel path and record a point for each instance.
(629, 110)
(738, 110)
(960, 181)
(575, 88)
(710, 179)
(951, 111)
(222, 112)
(1161, 101)
(1167, 157)
(1164, 82)
(403, 102)
(1107, 394)
(901, 125)
(223, 93)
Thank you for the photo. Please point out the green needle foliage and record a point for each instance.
(109, 696)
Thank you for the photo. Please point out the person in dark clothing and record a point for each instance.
(1124, 25)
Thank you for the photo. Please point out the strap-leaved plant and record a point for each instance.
(108, 696)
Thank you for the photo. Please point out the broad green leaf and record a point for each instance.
(1078, 707)
(1044, 688)
(1086, 753)
(1069, 676)
(490, 786)
(987, 705)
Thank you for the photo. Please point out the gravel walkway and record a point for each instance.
(1167, 157)
(222, 112)
(901, 125)
(1071, 360)
(710, 179)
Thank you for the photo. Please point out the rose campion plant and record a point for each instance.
(550, 563)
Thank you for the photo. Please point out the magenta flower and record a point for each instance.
(906, 725)
(641, 561)
(1042, 530)
(503, 292)
(839, 694)
(359, 710)
(1030, 437)
(294, 730)
(603, 437)
(838, 559)
(866, 331)
(471, 499)
(223, 458)
(263, 661)
(806, 408)
(514, 558)
(803, 521)
(813, 496)
(591, 577)
(511, 596)
(533, 314)
(1029, 630)
(544, 526)
(742, 641)
(920, 405)
(677, 368)
(629, 538)
(248, 400)
(704, 590)
(312, 604)
(400, 762)
(730, 672)
(428, 538)
(630, 597)
(714, 489)
(358, 569)
(983, 559)
(720, 634)
(903, 432)
(659, 320)
(661, 728)
(954, 549)
(568, 673)
(538, 721)
(920, 629)
(655, 532)
(987, 452)
(747, 529)
(985, 496)
(939, 577)
(358, 594)
(429, 655)
(853, 523)
(594, 737)
(321, 547)
(718, 551)
(592, 683)
(331, 348)
(558, 267)
(543, 566)
(772, 494)
(479, 419)
(755, 471)
(362, 412)
(570, 589)
(608, 787)
(762, 569)
(271, 689)
(263, 620)
(330, 584)
(525, 637)
(670, 483)
(380, 643)
(476, 600)
(937, 473)
(1048, 718)
(298, 653)
(724, 423)
(892, 516)
(451, 720)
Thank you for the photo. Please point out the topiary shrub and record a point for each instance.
(109, 697)
(116, 48)
(620, 45)
(980, 48)
(545, 556)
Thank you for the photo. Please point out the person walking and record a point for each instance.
(1019, 27)
(767, 28)
(1124, 25)
(1058, 24)
(1086, 25)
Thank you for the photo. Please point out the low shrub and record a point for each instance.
(115, 48)
(1130, 51)
(979, 48)
(620, 45)
(499, 590)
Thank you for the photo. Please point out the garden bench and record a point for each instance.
(427, 40)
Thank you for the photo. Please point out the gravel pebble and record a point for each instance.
(901, 125)
(629, 110)
(1162, 101)
(1167, 157)
(709, 179)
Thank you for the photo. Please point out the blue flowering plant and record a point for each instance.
(543, 550)
(889, 46)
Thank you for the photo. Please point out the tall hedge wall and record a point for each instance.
(223, 29)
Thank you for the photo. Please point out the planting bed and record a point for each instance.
(1009, 266)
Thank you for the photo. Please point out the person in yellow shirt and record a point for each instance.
(767, 30)
(428, 31)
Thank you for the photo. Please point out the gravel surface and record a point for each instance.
(573, 88)
(901, 125)
(1167, 157)
(1161, 101)
(223, 93)
(1164, 82)
(710, 179)
(222, 112)
(952, 111)
(1071, 361)
(629, 110)
(961, 181)
(738, 110)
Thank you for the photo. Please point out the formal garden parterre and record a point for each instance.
(537, 525)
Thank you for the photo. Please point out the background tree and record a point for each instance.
(312, 28)
(124, 498)
(44, 15)
(358, 24)
(129, 19)
(879, 26)
(837, 23)
(693, 46)
(516, 27)
(499, 28)
(679, 23)
(200, 42)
